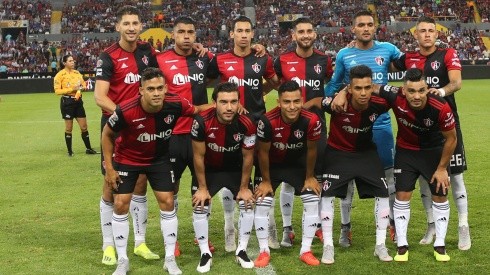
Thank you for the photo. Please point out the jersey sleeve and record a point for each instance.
(213, 70)
(269, 68)
(197, 129)
(338, 76)
(188, 109)
(57, 84)
(264, 129)
(327, 104)
(277, 66)
(395, 53)
(104, 68)
(116, 121)
(452, 60)
(389, 93)
(250, 133)
(446, 118)
(314, 128)
(400, 62)
(329, 70)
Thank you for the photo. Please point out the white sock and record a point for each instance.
(120, 229)
(326, 216)
(441, 217)
(139, 211)
(286, 199)
(382, 217)
(201, 228)
(245, 224)
(168, 226)
(176, 202)
(262, 221)
(390, 181)
(426, 197)
(401, 211)
(460, 198)
(106, 209)
(272, 220)
(310, 221)
(346, 204)
(228, 208)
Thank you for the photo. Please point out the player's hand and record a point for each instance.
(242, 110)
(351, 44)
(112, 179)
(435, 91)
(78, 95)
(339, 102)
(262, 190)
(246, 196)
(441, 179)
(311, 184)
(259, 50)
(199, 48)
(200, 197)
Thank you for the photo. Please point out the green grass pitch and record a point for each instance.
(49, 204)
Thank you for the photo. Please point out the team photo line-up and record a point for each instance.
(156, 122)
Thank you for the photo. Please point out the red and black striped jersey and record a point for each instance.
(247, 72)
(311, 73)
(122, 69)
(144, 137)
(419, 129)
(224, 142)
(435, 67)
(288, 141)
(185, 76)
(352, 131)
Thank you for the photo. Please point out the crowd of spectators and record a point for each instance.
(19, 56)
(96, 16)
(408, 10)
(484, 10)
(37, 12)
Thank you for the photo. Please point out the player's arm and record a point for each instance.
(107, 143)
(102, 99)
(245, 194)
(311, 184)
(441, 177)
(453, 86)
(265, 186)
(314, 102)
(202, 193)
(270, 84)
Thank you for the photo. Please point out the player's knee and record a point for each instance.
(121, 204)
(439, 199)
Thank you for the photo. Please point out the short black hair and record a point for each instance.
(301, 20)
(228, 87)
(184, 20)
(241, 18)
(414, 75)
(361, 13)
(150, 73)
(288, 86)
(360, 71)
(127, 10)
(425, 19)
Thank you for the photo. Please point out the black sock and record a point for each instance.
(68, 142)
(86, 139)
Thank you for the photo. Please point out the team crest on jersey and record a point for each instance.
(379, 60)
(428, 122)
(145, 59)
(326, 184)
(169, 119)
(260, 125)
(435, 65)
(200, 64)
(238, 136)
(317, 68)
(373, 117)
(256, 67)
(298, 134)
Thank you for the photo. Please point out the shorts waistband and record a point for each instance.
(68, 96)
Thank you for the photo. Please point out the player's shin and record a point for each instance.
(120, 229)
(326, 216)
(262, 219)
(310, 220)
(201, 228)
(245, 224)
(460, 198)
(381, 213)
(168, 226)
(401, 211)
(286, 201)
(139, 212)
(441, 217)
